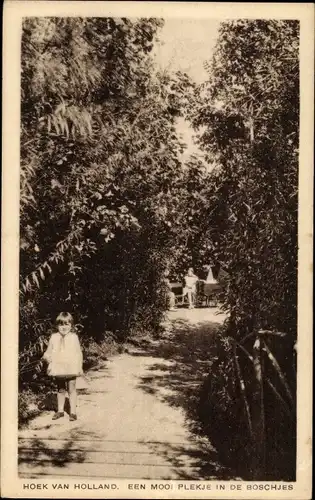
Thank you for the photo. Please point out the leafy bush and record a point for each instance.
(229, 413)
(95, 353)
(28, 406)
(253, 186)
(101, 184)
(247, 116)
(100, 164)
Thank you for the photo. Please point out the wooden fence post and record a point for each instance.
(258, 415)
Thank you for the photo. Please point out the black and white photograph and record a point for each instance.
(159, 225)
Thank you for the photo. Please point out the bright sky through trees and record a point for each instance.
(185, 44)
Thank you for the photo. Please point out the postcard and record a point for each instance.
(157, 260)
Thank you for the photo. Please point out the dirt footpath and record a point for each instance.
(132, 421)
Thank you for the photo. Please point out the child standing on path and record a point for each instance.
(64, 358)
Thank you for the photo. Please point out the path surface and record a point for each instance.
(132, 420)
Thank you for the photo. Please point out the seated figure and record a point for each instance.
(190, 287)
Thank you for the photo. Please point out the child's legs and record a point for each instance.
(61, 394)
(185, 292)
(189, 293)
(72, 391)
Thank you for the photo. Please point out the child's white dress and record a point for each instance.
(64, 356)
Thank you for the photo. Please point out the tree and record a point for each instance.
(247, 116)
(99, 162)
(250, 117)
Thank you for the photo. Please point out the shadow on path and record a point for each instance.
(57, 452)
(167, 445)
(185, 351)
(203, 461)
(183, 362)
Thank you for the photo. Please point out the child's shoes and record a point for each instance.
(73, 417)
(58, 414)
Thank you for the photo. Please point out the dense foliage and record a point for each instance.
(101, 178)
(249, 113)
(102, 187)
(247, 117)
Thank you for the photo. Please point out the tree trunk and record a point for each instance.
(258, 416)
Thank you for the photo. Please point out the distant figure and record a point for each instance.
(210, 278)
(64, 359)
(190, 287)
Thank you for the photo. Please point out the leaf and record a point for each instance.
(47, 266)
(279, 371)
(35, 279)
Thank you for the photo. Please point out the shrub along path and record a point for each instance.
(134, 415)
